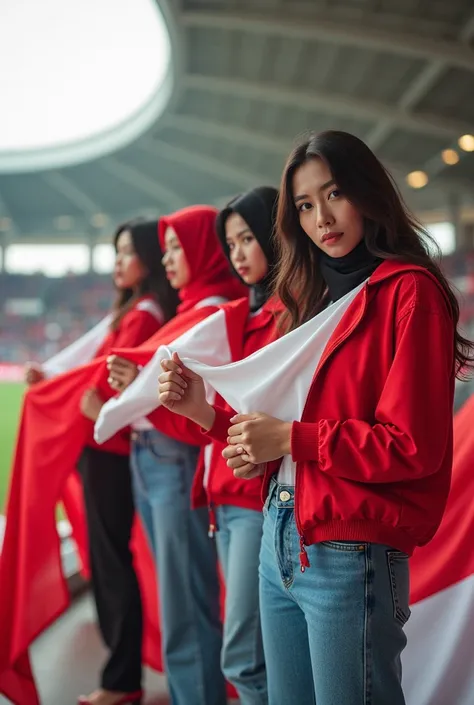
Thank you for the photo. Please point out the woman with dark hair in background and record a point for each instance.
(245, 230)
(144, 302)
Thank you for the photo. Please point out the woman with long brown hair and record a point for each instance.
(358, 476)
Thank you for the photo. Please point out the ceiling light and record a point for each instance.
(5, 224)
(417, 179)
(99, 220)
(450, 156)
(63, 222)
(466, 142)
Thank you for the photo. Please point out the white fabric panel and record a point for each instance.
(212, 301)
(207, 341)
(80, 352)
(151, 307)
(438, 663)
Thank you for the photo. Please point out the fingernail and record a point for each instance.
(234, 417)
(179, 371)
(185, 385)
(240, 449)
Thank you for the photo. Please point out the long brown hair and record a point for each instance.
(391, 231)
(144, 234)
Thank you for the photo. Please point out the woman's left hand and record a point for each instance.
(240, 464)
(261, 437)
(91, 404)
(122, 372)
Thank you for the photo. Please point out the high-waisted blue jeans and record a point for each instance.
(332, 635)
(186, 560)
(238, 544)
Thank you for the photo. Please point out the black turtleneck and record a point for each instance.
(257, 207)
(342, 274)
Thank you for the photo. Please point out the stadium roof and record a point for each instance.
(246, 77)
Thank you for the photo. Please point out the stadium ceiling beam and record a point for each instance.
(203, 163)
(419, 88)
(197, 127)
(321, 102)
(133, 177)
(67, 188)
(340, 33)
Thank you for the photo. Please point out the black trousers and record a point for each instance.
(110, 511)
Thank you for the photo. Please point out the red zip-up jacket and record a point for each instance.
(222, 487)
(135, 328)
(374, 445)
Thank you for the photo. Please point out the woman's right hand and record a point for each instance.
(33, 373)
(182, 391)
(122, 372)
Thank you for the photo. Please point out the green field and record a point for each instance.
(10, 402)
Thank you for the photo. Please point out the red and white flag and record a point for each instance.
(83, 350)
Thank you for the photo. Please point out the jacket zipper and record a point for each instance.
(213, 528)
(304, 560)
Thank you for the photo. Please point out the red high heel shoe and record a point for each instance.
(127, 699)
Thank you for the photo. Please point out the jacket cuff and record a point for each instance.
(219, 430)
(304, 441)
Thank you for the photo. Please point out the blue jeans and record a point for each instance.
(332, 635)
(238, 545)
(186, 560)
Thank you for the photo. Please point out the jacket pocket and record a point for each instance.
(399, 575)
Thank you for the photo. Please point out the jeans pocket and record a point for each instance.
(399, 574)
(350, 546)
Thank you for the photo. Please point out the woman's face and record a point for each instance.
(129, 270)
(174, 261)
(246, 255)
(325, 214)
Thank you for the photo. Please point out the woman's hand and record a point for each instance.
(91, 404)
(240, 464)
(33, 373)
(260, 438)
(122, 372)
(182, 391)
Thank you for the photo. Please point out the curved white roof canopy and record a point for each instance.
(79, 79)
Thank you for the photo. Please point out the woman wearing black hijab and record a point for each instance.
(245, 229)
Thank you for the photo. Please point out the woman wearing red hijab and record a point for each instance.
(163, 468)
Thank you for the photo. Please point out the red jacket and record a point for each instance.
(374, 447)
(221, 485)
(134, 329)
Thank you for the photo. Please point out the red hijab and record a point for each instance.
(211, 275)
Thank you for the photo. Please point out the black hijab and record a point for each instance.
(258, 208)
(342, 274)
